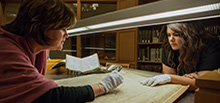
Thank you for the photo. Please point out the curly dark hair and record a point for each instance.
(35, 17)
(194, 38)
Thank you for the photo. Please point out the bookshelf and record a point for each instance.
(149, 48)
(85, 9)
(114, 46)
(104, 44)
(212, 25)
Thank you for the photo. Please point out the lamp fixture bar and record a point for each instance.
(204, 10)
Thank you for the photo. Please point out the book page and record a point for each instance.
(82, 64)
(90, 62)
(73, 63)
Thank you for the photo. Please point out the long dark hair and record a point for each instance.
(35, 17)
(194, 38)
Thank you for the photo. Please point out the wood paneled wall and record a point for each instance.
(2, 14)
(17, 1)
(123, 4)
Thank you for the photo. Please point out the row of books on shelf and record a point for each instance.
(148, 36)
(214, 29)
(150, 54)
(153, 68)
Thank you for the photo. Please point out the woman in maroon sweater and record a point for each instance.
(40, 26)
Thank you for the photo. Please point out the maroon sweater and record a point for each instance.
(21, 72)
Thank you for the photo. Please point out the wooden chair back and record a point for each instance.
(125, 65)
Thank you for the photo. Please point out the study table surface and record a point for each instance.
(131, 91)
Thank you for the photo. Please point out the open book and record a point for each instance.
(85, 64)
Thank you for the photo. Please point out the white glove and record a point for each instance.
(112, 80)
(159, 79)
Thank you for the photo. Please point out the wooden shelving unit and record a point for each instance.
(153, 62)
(126, 42)
(158, 43)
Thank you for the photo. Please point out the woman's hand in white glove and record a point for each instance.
(112, 80)
(159, 79)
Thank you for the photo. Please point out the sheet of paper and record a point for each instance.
(73, 63)
(131, 91)
(82, 64)
(90, 62)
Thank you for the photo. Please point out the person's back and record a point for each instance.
(19, 79)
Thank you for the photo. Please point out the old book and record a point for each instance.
(85, 64)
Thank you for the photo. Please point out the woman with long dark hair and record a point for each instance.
(189, 51)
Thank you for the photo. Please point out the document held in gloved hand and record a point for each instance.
(85, 64)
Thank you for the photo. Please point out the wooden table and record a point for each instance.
(131, 91)
(209, 88)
